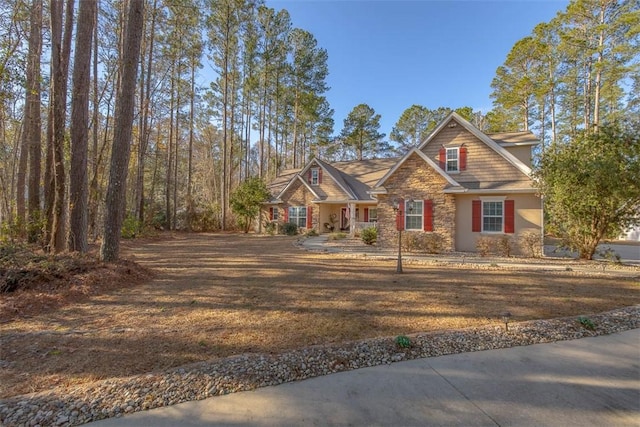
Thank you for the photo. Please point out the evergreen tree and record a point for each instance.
(360, 132)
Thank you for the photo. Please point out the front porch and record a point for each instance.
(345, 217)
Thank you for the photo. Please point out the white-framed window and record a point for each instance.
(298, 215)
(453, 159)
(276, 214)
(373, 214)
(492, 216)
(413, 211)
(315, 176)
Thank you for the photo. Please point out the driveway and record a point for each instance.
(586, 382)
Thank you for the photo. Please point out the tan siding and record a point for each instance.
(528, 217)
(522, 153)
(330, 188)
(483, 163)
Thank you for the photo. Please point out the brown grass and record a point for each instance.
(215, 295)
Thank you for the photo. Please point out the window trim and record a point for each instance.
(276, 214)
(500, 200)
(457, 159)
(375, 218)
(315, 176)
(297, 217)
(408, 214)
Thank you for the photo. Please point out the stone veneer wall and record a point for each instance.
(299, 195)
(415, 179)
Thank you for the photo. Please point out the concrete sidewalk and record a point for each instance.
(553, 259)
(587, 382)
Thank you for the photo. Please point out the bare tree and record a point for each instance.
(125, 100)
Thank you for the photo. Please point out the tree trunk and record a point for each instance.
(33, 122)
(60, 52)
(115, 200)
(78, 184)
(190, 154)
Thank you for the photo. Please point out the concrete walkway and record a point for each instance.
(586, 382)
(554, 259)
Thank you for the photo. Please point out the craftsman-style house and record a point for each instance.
(459, 184)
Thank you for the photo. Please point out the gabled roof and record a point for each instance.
(354, 178)
(297, 177)
(510, 139)
(430, 162)
(482, 137)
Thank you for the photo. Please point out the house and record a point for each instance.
(458, 185)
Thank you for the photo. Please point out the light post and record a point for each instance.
(400, 227)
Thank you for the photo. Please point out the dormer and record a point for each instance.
(519, 144)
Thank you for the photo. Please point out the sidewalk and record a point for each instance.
(586, 382)
(552, 261)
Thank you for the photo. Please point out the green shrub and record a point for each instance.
(289, 228)
(311, 232)
(369, 235)
(587, 323)
(270, 228)
(403, 341)
(131, 227)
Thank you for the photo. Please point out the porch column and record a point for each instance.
(352, 219)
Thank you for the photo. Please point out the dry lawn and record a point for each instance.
(215, 295)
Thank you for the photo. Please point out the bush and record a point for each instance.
(289, 228)
(131, 227)
(311, 232)
(500, 245)
(270, 228)
(430, 243)
(369, 235)
(403, 341)
(530, 244)
(504, 246)
(337, 236)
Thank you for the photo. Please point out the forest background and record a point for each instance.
(70, 169)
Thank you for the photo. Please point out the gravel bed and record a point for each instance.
(69, 406)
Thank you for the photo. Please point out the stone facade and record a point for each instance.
(415, 179)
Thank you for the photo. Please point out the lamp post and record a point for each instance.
(397, 209)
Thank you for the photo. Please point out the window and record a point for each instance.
(276, 214)
(373, 215)
(492, 216)
(413, 214)
(298, 215)
(453, 159)
(315, 176)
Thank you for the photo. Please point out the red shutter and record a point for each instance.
(366, 214)
(286, 214)
(443, 158)
(509, 216)
(271, 214)
(428, 215)
(463, 158)
(309, 217)
(476, 216)
(309, 176)
(320, 176)
(400, 215)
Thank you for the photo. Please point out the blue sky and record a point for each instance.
(393, 54)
